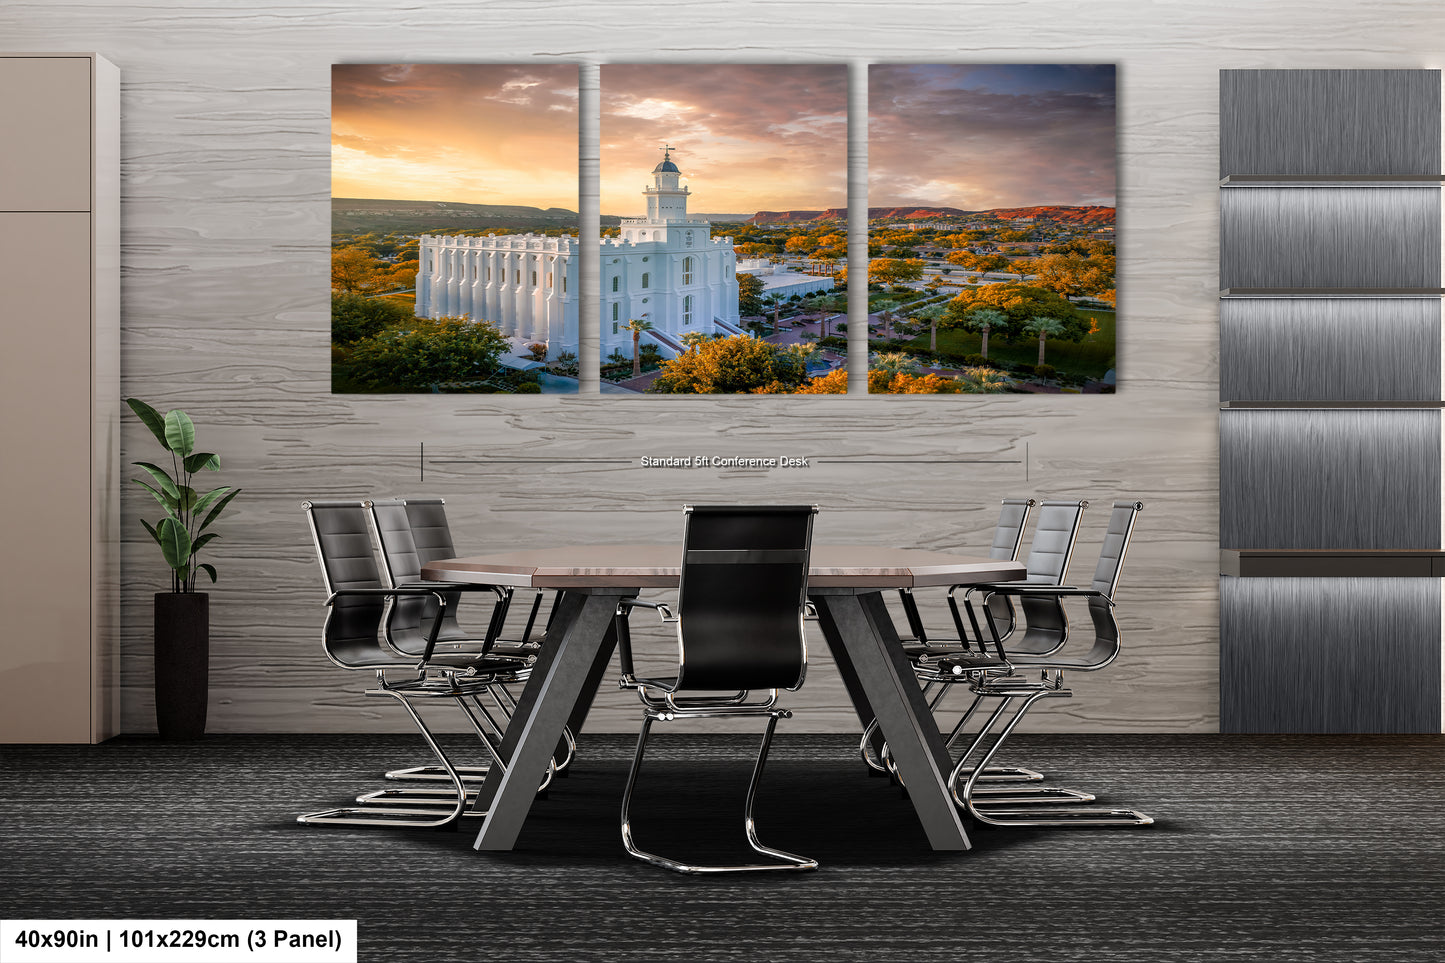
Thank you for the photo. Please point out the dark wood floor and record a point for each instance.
(1266, 848)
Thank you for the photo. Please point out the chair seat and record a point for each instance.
(970, 663)
(919, 650)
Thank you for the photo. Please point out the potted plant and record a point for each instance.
(182, 615)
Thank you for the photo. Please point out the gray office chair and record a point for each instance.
(1008, 535)
(741, 604)
(1051, 549)
(352, 639)
(995, 676)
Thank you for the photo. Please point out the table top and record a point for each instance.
(658, 566)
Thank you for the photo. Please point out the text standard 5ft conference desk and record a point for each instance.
(846, 582)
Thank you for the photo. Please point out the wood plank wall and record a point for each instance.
(225, 231)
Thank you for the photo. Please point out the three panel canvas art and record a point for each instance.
(723, 268)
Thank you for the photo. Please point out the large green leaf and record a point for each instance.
(152, 529)
(216, 510)
(161, 476)
(200, 542)
(186, 498)
(152, 418)
(207, 498)
(167, 502)
(175, 543)
(180, 433)
(203, 461)
(210, 570)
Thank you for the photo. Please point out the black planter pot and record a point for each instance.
(183, 645)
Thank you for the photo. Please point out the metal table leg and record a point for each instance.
(549, 699)
(863, 641)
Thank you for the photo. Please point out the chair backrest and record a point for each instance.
(342, 536)
(741, 596)
(1053, 543)
(429, 529)
(1046, 625)
(1116, 544)
(1008, 535)
(400, 523)
(1106, 579)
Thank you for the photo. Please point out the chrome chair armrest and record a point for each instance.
(661, 608)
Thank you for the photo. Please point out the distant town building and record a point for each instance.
(665, 268)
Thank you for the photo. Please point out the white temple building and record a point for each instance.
(664, 268)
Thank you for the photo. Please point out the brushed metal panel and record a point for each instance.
(1329, 122)
(1329, 479)
(1315, 349)
(1282, 237)
(1329, 655)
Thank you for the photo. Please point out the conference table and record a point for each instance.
(845, 582)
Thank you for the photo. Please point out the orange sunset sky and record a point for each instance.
(467, 133)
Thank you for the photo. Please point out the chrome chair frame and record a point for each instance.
(392, 528)
(995, 681)
(664, 700)
(359, 644)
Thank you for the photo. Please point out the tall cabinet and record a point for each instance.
(1330, 390)
(60, 394)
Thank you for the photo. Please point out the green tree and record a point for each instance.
(637, 326)
(935, 315)
(428, 351)
(886, 316)
(982, 320)
(775, 301)
(692, 339)
(1019, 303)
(355, 316)
(1044, 328)
(750, 294)
(893, 363)
(730, 366)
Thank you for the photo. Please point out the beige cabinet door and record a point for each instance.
(45, 105)
(45, 488)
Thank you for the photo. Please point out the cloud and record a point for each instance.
(748, 136)
(997, 135)
(480, 133)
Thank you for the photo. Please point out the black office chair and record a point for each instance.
(988, 679)
(741, 604)
(352, 639)
(400, 525)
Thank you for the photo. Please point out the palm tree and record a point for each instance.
(983, 320)
(894, 363)
(637, 326)
(884, 310)
(775, 301)
(932, 314)
(694, 338)
(1044, 327)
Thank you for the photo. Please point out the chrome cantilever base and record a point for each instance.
(405, 816)
(437, 809)
(479, 773)
(1007, 691)
(786, 860)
